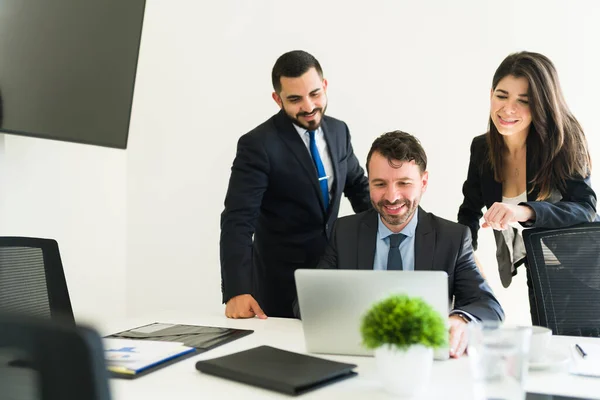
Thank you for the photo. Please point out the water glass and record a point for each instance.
(498, 357)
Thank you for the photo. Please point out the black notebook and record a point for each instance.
(276, 369)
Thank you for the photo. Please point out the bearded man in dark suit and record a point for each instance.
(284, 193)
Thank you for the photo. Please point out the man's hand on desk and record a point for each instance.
(243, 306)
(458, 336)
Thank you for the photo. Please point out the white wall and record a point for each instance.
(204, 80)
(76, 195)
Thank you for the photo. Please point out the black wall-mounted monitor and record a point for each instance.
(67, 68)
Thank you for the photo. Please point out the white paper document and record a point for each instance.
(131, 356)
(588, 365)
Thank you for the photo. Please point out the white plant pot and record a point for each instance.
(404, 372)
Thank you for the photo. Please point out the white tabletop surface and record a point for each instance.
(450, 379)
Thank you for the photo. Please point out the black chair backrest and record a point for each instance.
(32, 280)
(565, 270)
(43, 359)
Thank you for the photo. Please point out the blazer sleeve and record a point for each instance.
(356, 187)
(578, 205)
(470, 211)
(328, 261)
(472, 294)
(247, 185)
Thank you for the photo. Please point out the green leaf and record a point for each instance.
(403, 321)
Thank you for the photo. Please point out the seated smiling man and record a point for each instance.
(397, 172)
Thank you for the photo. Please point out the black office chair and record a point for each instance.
(43, 359)
(565, 271)
(32, 281)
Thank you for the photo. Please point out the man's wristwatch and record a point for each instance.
(462, 316)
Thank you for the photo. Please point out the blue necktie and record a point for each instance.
(394, 258)
(320, 169)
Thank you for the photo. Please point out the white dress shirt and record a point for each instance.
(323, 152)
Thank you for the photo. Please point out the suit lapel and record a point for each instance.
(332, 147)
(290, 137)
(492, 191)
(496, 190)
(424, 242)
(367, 239)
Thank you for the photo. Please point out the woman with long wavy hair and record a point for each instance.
(532, 168)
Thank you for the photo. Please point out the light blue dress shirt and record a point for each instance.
(407, 247)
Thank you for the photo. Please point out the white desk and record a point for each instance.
(450, 379)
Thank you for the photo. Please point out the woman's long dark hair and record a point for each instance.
(556, 144)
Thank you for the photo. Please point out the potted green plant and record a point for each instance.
(403, 331)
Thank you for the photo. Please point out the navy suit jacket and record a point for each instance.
(440, 245)
(274, 219)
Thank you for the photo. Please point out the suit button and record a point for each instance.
(326, 227)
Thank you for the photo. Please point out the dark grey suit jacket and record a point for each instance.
(439, 245)
(274, 219)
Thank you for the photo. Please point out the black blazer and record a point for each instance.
(578, 203)
(439, 245)
(274, 219)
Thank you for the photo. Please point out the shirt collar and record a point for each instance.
(301, 131)
(409, 230)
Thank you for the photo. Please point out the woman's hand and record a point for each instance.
(500, 215)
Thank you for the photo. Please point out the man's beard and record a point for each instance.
(309, 125)
(395, 220)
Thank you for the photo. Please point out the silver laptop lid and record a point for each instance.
(333, 302)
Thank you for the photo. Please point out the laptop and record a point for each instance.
(333, 301)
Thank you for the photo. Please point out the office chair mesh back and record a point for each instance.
(43, 359)
(32, 280)
(565, 269)
(23, 287)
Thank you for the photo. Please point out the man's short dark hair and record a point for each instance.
(399, 146)
(292, 65)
